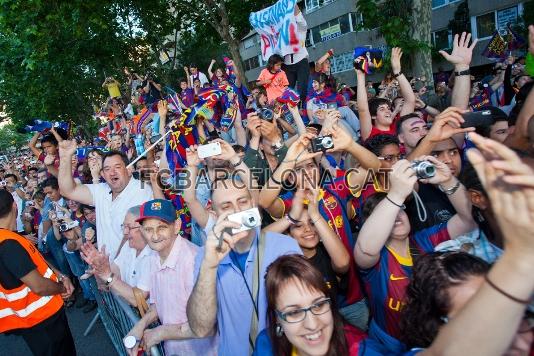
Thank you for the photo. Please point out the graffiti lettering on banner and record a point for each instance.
(277, 27)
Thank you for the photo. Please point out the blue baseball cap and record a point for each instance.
(158, 209)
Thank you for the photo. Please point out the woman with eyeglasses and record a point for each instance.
(441, 285)
(302, 318)
(386, 244)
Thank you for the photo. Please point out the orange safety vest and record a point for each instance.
(20, 307)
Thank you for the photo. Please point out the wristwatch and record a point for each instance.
(109, 280)
(395, 75)
(277, 145)
(451, 190)
(463, 72)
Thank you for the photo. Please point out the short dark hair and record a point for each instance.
(376, 143)
(273, 60)
(6, 203)
(33, 169)
(113, 153)
(371, 203)
(238, 148)
(50, 139)
(405, 118)
(51, 182)
(139, 160)
(12, 176)
(84, 207)
(374, 103)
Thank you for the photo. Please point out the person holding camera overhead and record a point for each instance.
(386, 243)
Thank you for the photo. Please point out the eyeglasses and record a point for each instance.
(391, 158)
(126, 228)
(150, 230)
(298, 315)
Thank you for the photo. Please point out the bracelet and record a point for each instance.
(424, 107)
(402, 206)
(238, 163)
(451, 190)
(396, 75)
(517, 300)
(314, 221)
(291, 220)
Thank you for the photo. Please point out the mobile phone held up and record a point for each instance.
(249, 219)
(209, 150)
(477, 119)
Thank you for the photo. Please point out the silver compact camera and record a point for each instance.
(66, 226)
(424, 169)
(249, 219)
(322, 143)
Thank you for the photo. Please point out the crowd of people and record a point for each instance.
(388, 219)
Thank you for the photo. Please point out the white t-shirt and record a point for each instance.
(302, 27)
(135, 270)
(110, 213)
(18, 201)
(201, 76)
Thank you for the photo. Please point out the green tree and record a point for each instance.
(10, 138)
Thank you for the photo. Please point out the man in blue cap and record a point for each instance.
(171, 283)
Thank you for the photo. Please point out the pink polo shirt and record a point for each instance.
(170, 287)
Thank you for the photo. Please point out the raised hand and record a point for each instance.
(342, 139)
(219, 242)
(162, 109)
(191, 156)
(402, 180)
(49, 160)
(269, 130)
(447, 124)
(254, 124)
(67, 148)
(461, 51)
(396, 55)
(443, 172)
(227, 151)
(298, 151)
(297, 205)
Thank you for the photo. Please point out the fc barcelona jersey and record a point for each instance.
(386, 282)
(332, 206)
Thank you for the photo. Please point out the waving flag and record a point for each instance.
(43, 125)
(181, 137)
(515, 41)
(140, 119)
(496, 47)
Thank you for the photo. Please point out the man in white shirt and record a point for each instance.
(196, 74)
(111, 199)
(296, 65)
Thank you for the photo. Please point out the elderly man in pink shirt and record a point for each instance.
(172, 281)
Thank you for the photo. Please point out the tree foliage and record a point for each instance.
(11, 139)
(54, 55)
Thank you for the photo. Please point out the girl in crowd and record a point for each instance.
(319, 244)
(273, 78)
(302, 318)
(386, 244)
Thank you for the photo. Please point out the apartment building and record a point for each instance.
(334, 24)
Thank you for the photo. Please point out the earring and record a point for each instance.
(278, 330)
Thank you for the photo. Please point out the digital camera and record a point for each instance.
(424, 169)
(3, 183)
(322, 143)
(266, 114)
(249, 219)
(66, 226)
(209, 150)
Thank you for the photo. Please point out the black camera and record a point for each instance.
(322, 143)
(266, 114)
(424, 169)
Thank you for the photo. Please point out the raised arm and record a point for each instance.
(324, 57)
(188, 77)
(460, 57)
(240, 133)
(67, 185)
(33, 143)
(404, 85)
(198, 211)
(378, 226)
(294, 110)
(210, 72)
(364, 114)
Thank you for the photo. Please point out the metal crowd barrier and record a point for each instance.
(118, 318)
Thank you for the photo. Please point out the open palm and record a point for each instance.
(461, 51)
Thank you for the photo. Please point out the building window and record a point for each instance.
(331, 29)
(440, 3)
(341, 62)
(312, 5)
(442, 39)
(250, 42)
(485, 25)
(252, 63)
(308, 38)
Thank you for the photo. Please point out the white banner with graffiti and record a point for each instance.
(277, 27)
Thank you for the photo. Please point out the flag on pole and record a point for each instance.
(515, 41)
